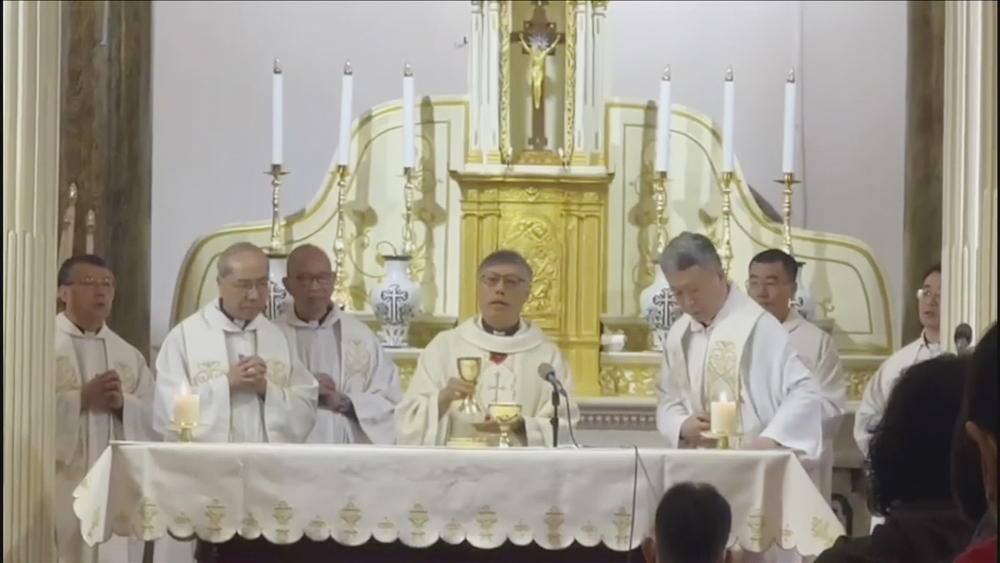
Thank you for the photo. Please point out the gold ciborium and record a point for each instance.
(506, 415)
(468, 370)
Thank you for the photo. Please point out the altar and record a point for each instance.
(314, 499)
(539, 156)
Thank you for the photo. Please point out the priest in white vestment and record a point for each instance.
(510, 350)
(104, 392)
(772, 285)
(727, 348)
(249, 380)
(359, 384)
(927, 346)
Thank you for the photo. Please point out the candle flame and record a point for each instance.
(185, 390)
(666, 74)
(729, 74)
(722, 397)
(348, 70)
(791, 76)
(277, 66)
(407, 70)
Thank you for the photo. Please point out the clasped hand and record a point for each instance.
(249, 373)
(103, 392)
(330, 397)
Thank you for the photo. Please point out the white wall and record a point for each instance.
(211, 100)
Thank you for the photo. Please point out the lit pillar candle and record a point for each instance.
(346, 99)
(723, 417)
(663, 118)
(728, 121)
(409, 118)
(277, 101)
(788, 149)
(187, 408)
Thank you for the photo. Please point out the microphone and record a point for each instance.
(548, 373)
(963, 338)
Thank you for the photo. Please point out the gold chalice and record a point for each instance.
(468, 370)
(506, 415)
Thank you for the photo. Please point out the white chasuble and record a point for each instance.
(345, 349)
(196, 356)
(509, 373)
(82, 436)
(876, 393)
(817, 351)
(746, 355)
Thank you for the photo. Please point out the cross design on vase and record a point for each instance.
(392, 307)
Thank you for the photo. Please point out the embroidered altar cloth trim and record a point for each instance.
(419, 496)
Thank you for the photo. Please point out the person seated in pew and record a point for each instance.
(692, 525)
(509, 349)
(358, 383)
(772, 285)
(909, 470)
(249, 380)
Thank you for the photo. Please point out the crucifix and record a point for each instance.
(538, 39)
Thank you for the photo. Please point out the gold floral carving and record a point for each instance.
(215, 513)
(419, 518)
(554, 519)
(570, 102)
(857, 380)
(629, 380)
(277, 372)
(487, 518)
(623, 523)
(207, 371)
(537, 239)
(127, 375)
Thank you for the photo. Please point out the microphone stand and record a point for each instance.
(555, 417)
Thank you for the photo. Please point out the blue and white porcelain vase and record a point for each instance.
(278, 299)
(659, 308)
(805, 302)
(395, 301)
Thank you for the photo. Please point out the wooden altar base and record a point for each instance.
(239, 550)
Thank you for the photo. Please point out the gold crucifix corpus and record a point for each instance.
(538, 40)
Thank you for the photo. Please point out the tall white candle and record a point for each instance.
(663, 117)
(277, 102)
(346, 99)
(788, 149)
(728, 121)
(187, 408)
(409, 118)
(723, 418)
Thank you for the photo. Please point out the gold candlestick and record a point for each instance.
(788, 180)
(340, 293)
(727, 213)
(277, 224)
(660, 201)
(408, 230)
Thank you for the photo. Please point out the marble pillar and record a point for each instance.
(969, 203)
(31, 51)
(924, 135)
(106, 145)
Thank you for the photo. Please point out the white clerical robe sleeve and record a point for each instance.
(833, 387)
(374, 407)
(672, 408)
(418, 421)
(70, 425)
(797, 423)
(290, 412)
(538, 428)
(171, 378)
(873, 402)
(137, 408)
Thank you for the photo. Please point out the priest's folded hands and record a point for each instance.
(249, 373)
(103, 392)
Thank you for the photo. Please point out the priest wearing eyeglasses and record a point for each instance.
(509, 350)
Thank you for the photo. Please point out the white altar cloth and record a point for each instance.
(419, 496)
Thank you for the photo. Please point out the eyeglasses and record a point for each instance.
(511, 282)
(94, 283)
(925, 294)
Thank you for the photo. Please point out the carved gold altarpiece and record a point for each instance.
(580, 206)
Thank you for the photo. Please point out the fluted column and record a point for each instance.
(969, 205)
(31, 52)
(924, 153)
(476, 83)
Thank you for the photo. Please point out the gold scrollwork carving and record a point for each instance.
(628, 380)
(538, 241)
(570, 102)
(505, 18)
(857, 380)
